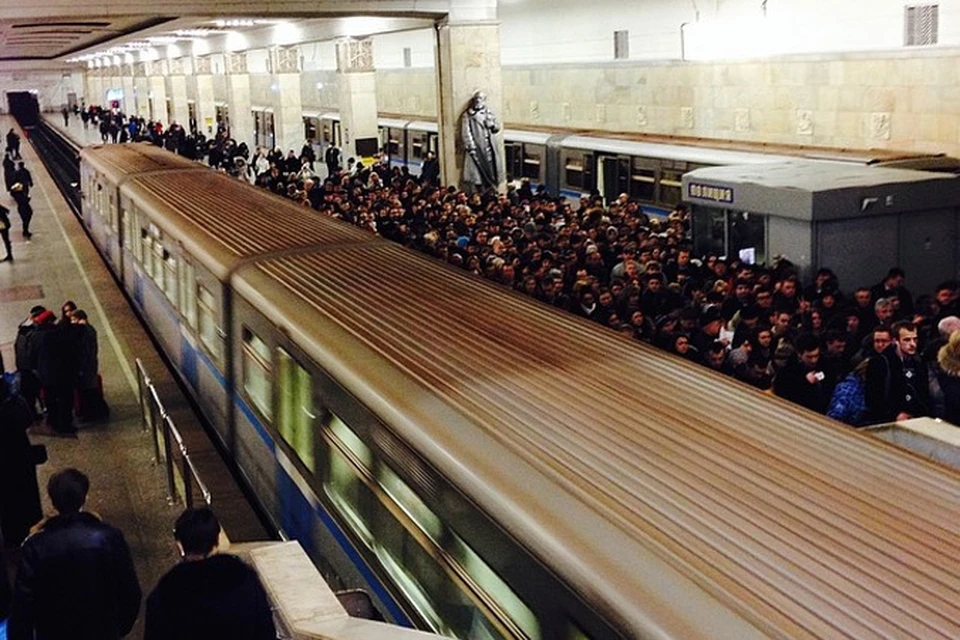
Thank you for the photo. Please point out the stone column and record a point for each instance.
(141, 88)
(178, 92)
(129, 104)
(113, 79)
(357, 82)
(238, 92)
(206, 106)
(94, 89)
(468, 60)
(287, 98)
(158, 91)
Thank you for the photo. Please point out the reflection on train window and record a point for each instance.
(418, 147)
(295, 416)
(670, 186)
(207, 307)
(709, 235)
(139, 244)
(188, 293)
(344, 485)
(256, 372)
(747, 233)
(574, 632)
(112, 213)
(410, 502)
(156, 262)
(491, 584)
(170, 277)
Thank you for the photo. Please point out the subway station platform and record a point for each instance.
(128, 486)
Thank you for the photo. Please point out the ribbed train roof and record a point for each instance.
(815, 530)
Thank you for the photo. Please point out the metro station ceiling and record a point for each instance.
(52, 38)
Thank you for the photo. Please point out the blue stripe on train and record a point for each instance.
(296, 513)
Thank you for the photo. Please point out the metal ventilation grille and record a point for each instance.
(921, 25)
(621, 45)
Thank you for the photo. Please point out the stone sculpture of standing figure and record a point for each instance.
(479, 127)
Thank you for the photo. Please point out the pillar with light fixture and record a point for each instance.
(238, 93)
(178, 90)
(206, 106)
(286, 98)
(468, 60)
(357, 82)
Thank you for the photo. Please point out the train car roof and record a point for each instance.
(120, 161)
(683, 153)
(607, 456)
(224, 221)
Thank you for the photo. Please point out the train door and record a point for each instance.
(192, 116)
(169, 112)
(418, 144)
(613, 176)
(394, 144)
(514, 160)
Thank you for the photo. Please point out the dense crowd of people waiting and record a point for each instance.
(851, 358)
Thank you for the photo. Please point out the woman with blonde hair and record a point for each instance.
(945, 385)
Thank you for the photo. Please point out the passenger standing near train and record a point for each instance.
(332, 158)
(24, 177)
(75, 578)
(13, 144)
(29, 383)
(9, 171)
(19, 494)
(91, 405)
(5, 233)
(208, 595)
(56, 355)
(21, 196)
(897, 382)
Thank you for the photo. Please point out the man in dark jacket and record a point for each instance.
(207, 595)
(75, 578)
(802, 380)
(897, 383)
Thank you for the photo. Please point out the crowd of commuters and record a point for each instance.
(636, 274)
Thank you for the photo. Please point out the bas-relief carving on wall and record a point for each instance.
(804, 122)
(286, 60)
(880, 126)
(686, 117)
(236, 63)
(355, 56)
(176, 67)
(742, 120)
(203, 64)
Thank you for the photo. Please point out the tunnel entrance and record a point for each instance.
(24, 107)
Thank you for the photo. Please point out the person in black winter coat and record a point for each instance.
(56, 359)
(19, 494)
(5, 232)
(207, 595)
(801, 380)
(5, 592)
(75, 578)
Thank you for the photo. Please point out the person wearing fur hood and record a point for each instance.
(945, 385)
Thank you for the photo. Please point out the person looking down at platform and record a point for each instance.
(208, 595)
(75, 579)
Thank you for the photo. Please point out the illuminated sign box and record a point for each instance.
(709, 192)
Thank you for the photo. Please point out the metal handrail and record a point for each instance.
(154, 416)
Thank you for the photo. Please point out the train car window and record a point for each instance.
(188, 293)
(156, 261)
(532, 159)
(141, 243)
(418, 145)
(295, 413)
(514, 155)
(112, 213)
(170, 277)
(410, 502)
(344, 485)
(394, 143)
(747, 233)
(643, 182)
(573, 170)
(708, 231)
(670, 186)
(494, 586)
(257, 372)
(207, 308)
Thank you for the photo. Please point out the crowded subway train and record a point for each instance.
(488, 467)
(648, 168)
